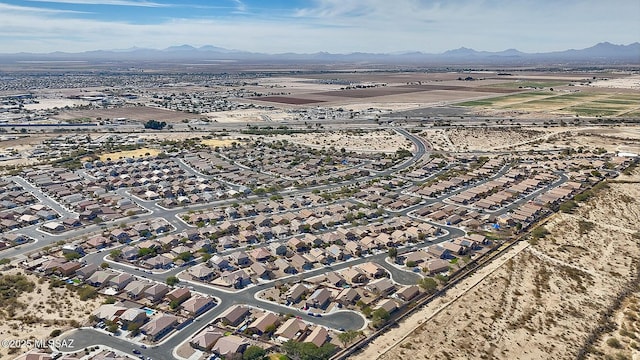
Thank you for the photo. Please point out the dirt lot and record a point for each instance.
(545, 301)
(129, 154)
(138, 113)
(383, 140)
(475, 139)
(613, 139)
(44, 310)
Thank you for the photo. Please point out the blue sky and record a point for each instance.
(338, 26)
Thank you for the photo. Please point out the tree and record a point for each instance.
(134, 329)
(184, 256)
(442, 278)
(86, 292)
(172, 280)
(155, 125)
(104, 265)
(72, 256)
(254, 353)
(568, 206)
(307, 351)
(428, 284)
(145, 251)
(112, 327)
(347, 337)
(393, 252)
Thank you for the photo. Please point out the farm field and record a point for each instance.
(588, 104)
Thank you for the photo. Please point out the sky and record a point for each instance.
(336, 26)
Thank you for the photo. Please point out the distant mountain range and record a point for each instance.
(601, 54)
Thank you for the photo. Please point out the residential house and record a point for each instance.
(120, 281)
(197, 305)
(318, 336)
(68, 268)
(436, 266)
(389, 305)
(439, 251)
(218, 262)
(382, 286)
(201, 272)
(135, 289)
(133, 316)
(159, 326)
(319, 298)
(453, 248)
(262, 323)
(300, 263)
(236, 279)
(295, 293)
(335, 279)
(230, 346)
(240, 258)
(86, 271)
(100, 278)
(109, 312)
(292, 329)
(354, 276)
(372, 270)
(156, 292)
(178, 295)
(260, 254)
(347, 296)
(206, 339)
(278, 249)
(234, 315)
(407, 293)
(261, 271)
(284, 266)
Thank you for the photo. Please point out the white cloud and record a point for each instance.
(106, 2)
(341, 26)
(8, 8)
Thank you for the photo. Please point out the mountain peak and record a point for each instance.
(184, 47)
(461, 51)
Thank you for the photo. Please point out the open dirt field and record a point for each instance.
(53, 103)
(613, 139)
(43, 310)
(632, 82)
(138, 113)
(247, 115)
(129, 154)
(479, 139)
(545, 301)
(218, 142)
(383, 140)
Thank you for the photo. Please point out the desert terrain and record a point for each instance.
(40, 310)
(358, 141)
(546, 300)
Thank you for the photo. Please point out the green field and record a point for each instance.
(497, 101)
(531, 84)
(587, 104)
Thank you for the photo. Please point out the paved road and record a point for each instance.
(44, 198)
